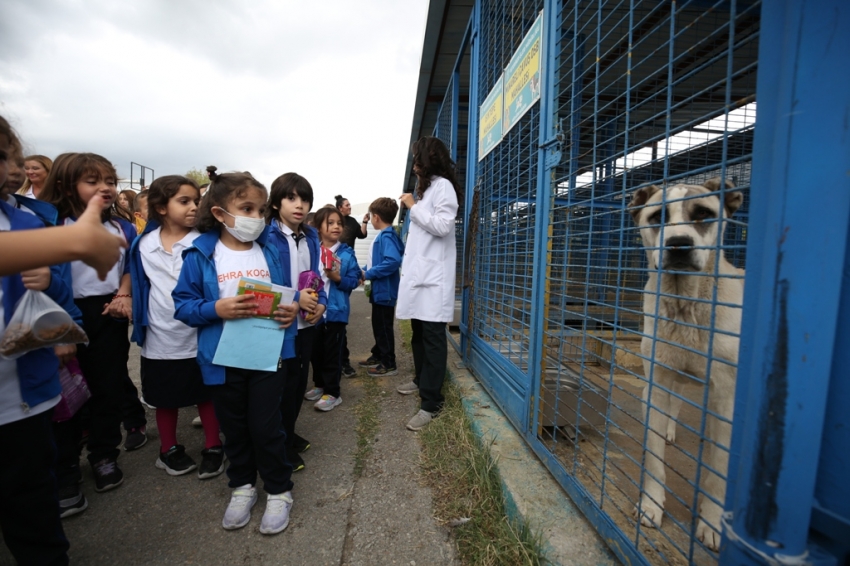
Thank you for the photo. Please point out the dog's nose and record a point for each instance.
(680, 242)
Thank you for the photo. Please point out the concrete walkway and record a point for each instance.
(382, 517)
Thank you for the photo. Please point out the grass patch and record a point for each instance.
(368, 412)
(463, 476)
(406, 334)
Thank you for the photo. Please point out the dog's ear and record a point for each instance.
(639, 199)
(732, 199)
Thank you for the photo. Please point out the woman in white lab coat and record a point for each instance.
(426, 293)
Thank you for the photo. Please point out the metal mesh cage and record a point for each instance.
(646, 93)
(508, 190)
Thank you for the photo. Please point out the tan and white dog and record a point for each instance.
(682, 334)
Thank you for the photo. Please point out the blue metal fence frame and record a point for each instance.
(788, 500)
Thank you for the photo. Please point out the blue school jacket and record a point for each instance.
(387, 251)
(197, 291)
(141, 287)
(38, 371)
(278, 239)
(339, 306)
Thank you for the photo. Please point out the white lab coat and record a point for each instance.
(427, 288)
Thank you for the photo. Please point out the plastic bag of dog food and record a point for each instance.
(309, 282)
(38, 322)
(75, 392)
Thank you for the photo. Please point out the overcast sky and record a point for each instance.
(325, 89)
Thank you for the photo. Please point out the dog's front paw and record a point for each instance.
(649, 513)
(671, 431)
(708, 535)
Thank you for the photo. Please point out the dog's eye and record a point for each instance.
(701, 213)
(655, 218)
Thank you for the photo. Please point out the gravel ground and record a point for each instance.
(382, 517)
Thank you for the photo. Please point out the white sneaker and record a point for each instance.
(407, 388)
(420, 420)
(239, 510)
(314, 394)
(327, 403)
(276, 517)
(196, 422)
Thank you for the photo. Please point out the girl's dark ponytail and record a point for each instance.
(339, 200)
(211, 173)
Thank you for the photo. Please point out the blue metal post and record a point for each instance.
(800, 208)
(455, 106)
(471, 159)
(543, 208)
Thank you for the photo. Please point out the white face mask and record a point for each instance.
(245, 229)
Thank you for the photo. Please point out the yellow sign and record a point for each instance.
(522, 75)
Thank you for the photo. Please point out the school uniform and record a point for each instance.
(29, 389)
(300, 253)
(327, 349)
(104, 360)
(170, 374)
(247, 402)
(426, 293)
(383, 271)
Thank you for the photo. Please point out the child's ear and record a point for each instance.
(138, 214)
(217, 213)
(161, 210)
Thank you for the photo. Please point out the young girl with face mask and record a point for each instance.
(234, 244)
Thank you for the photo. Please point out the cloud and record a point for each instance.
(325, 89)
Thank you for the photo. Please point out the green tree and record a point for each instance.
(198, 176)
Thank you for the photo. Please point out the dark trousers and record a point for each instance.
(248, 409)
(327, 356)
(346, 355)
(430, 355)
(29, 504)
(296, 383)
(132, 410)
(383, 318)
(67, 435)
(104, 365)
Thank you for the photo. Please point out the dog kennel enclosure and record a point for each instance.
(556, 113)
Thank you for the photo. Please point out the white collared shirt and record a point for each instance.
(166, 338)
(302, 253)
(84, 279)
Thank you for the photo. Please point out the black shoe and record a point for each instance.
(380, 370)
(348, 371)
(370, 363)
(296, 461)
(300, 445)
(107, 475)
(71, 501)
(212, 463)
(136, 438)
(176, 462)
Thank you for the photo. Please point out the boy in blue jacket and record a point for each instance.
(383, 271)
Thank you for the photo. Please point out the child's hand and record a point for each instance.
(65, 352)
(98, 247)
(120, 307)
(285, 314)
(334, 275)
(363, 275)
(317, 315)
(37, 279)
(308, 300)
(240, 306)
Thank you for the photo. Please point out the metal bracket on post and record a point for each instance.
(553, 147)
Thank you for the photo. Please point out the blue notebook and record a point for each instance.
(250, 343)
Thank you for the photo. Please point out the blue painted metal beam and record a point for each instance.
(800, 207)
